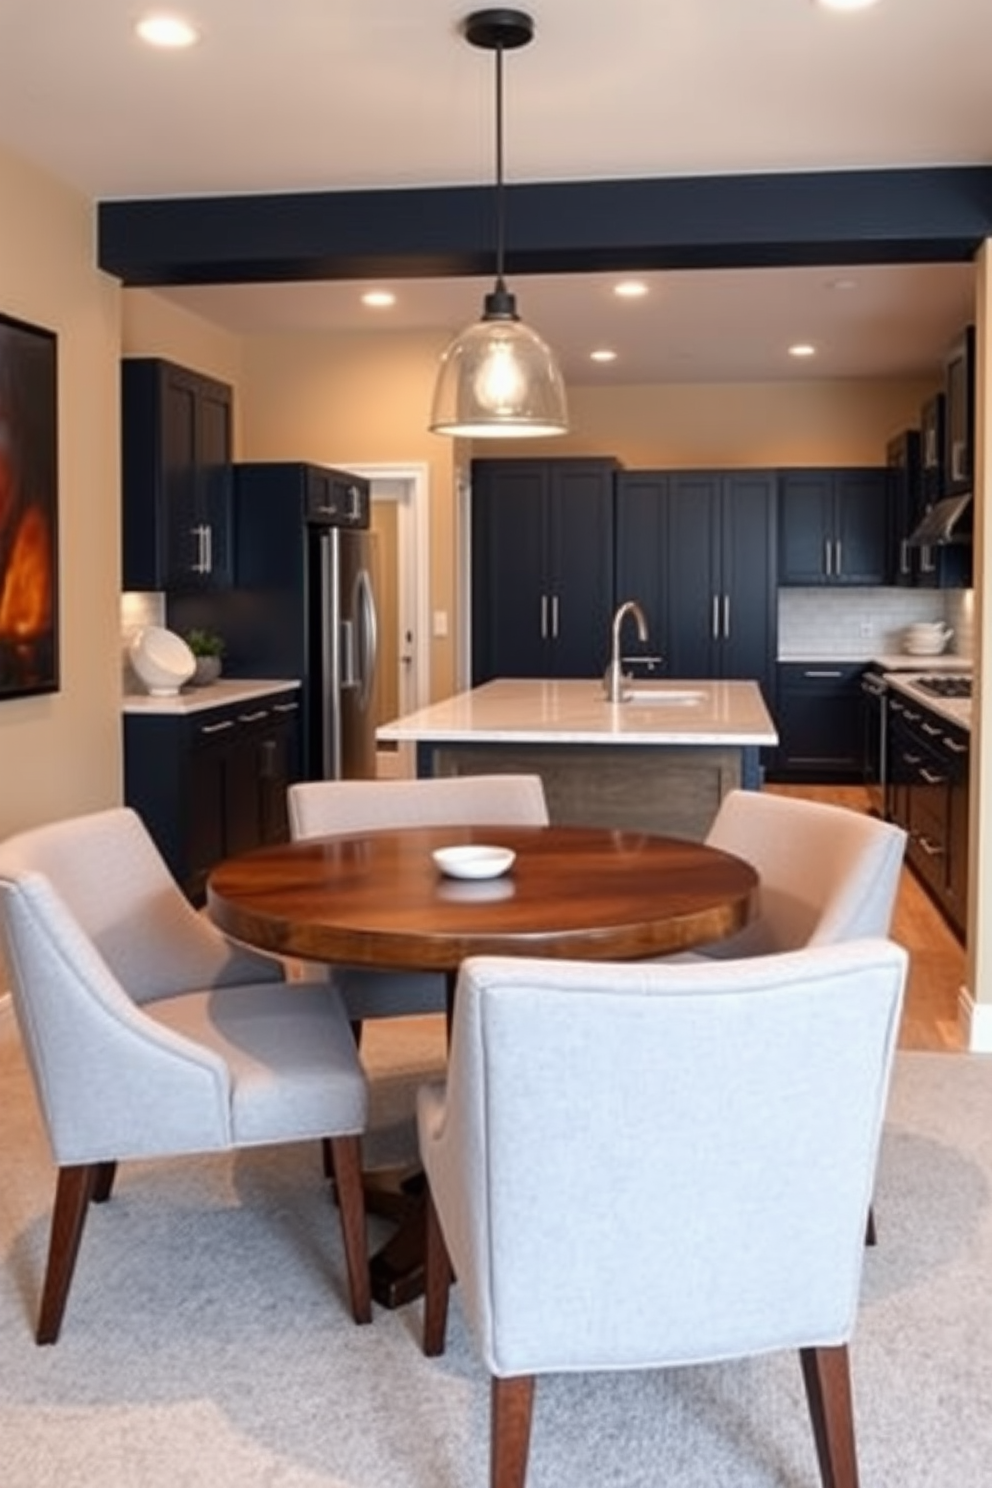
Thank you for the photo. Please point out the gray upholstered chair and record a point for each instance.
(647, 1165)
(827, 873)
(326, 808)
(150, 1034)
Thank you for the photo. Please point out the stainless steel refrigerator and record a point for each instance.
(302, 605)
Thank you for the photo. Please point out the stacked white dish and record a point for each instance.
(926, 637)
(162, 660)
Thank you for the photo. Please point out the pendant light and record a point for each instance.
(498, 379)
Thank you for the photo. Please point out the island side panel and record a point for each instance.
(671, 789)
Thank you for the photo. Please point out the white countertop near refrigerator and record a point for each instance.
(227, 691)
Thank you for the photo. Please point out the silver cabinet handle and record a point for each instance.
(927, 564)
(208, 549)
(904, 567)
(930, 848)
(726, 617)
(253, 717)
(838, 559)
(715, 622)
(822, 674)
(554, 617)
(544, 617)
(217, 728)
(954, 746)
(958, 447)
(826, 557)
(286, 708)
(932, 729)
(931, 778)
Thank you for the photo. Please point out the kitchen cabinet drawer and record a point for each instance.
(927, 795)
(819, 716)
(212, 783)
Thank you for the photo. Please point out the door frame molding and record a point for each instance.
(414, 555)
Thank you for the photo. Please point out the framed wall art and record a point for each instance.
(29, 579)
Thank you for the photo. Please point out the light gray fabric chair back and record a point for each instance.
(323, 808)
(642, 1165)
(108, 873)
(827, 873)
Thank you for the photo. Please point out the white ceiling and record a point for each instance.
(337, 94)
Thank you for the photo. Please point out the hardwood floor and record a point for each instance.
(937, 960)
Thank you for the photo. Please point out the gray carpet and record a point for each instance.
(206, 1340)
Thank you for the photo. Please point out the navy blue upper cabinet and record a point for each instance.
(176, 445)
(834, 527)
(697, 550)
(959, 415)
(542, 567)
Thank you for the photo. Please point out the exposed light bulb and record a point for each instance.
(498, 383)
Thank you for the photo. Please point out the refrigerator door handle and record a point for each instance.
(330, 657)
(368, 635)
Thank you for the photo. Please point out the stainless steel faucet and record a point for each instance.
(614, 678)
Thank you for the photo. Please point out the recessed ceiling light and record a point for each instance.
(603, 355)
(630, 289)
(802, 349)
(379, 299)
(161, 30)
(846, 4)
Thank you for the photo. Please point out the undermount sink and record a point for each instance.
(661, 696)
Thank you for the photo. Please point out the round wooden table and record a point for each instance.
(583, 893)
(377, 899)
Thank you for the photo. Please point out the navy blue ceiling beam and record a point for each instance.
(927, 215)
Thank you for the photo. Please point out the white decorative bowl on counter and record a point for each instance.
(162, 660)
(926, 638)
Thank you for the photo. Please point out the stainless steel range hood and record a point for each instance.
(947, 521)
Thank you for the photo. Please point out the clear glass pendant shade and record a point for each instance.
(498, 379)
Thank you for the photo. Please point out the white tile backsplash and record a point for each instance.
(856, 624)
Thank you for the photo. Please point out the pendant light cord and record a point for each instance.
(500, 197)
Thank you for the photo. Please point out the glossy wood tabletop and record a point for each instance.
(377, 898)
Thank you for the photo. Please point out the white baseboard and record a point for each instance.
(976, 1022)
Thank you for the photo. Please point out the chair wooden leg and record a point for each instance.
(512, 1407)
(827, 1377)
(346, 1157)
(72, 1197)
(437, 1283)
(871, 1238)
(103, 1187)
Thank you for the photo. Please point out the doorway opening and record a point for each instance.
(400, 574)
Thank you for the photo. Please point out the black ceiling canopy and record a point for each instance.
(927, 215)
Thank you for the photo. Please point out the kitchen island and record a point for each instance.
(660, 761)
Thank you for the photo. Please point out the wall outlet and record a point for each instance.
(440, 626)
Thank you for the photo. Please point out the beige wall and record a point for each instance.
(152, 326)
(61, 754)
(359, 400)
(734, 425)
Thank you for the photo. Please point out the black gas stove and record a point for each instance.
(944, 685)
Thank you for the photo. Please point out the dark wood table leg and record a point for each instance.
(397, 1268)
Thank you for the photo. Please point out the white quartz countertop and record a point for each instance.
(576, 712)
(218, 694)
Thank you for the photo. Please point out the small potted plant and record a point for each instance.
(208, 648)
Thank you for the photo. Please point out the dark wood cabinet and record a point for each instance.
(959, 414)
(932, 441)
(176, 450)
(819, 716)
(927, 795)
(697, 550)
(542, 567)
(834, 527)
(212, 782)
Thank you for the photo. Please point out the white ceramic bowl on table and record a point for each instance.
(162, 660)
(473, 860)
